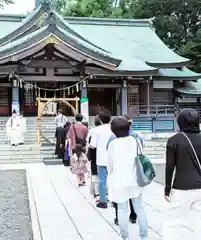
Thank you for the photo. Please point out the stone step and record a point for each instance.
(21, 147)
(14, 161)
(36, 158)
(155, 143)
(154, 154)
(155, 157)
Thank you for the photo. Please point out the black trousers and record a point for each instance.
(133, 215)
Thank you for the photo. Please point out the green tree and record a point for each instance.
(177, 22)
(88, 8)
(3, 2)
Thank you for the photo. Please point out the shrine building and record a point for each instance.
(118, 64)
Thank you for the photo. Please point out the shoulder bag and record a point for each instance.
(194, 152)
(144, 169)
(79, 140)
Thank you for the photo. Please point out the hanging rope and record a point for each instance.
(77, 86)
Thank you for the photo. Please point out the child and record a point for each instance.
(79, 164)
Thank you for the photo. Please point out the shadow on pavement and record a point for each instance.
(160, 173)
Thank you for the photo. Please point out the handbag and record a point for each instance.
(194, 152)
(144, 169)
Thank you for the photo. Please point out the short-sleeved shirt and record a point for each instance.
(112, 137)
(99, 141)
(61, 120)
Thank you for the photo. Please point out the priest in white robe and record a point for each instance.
(15, 128)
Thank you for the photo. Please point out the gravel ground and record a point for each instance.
(15, 220)
(160, 173)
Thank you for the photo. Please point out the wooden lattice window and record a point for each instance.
(133, 95)
(133, 100)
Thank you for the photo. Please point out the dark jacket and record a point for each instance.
(91, 155)
(180, 157)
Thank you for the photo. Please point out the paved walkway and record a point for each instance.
(62, 211)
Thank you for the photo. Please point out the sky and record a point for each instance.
(19, 7)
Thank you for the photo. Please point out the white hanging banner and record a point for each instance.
(85, 109)
(16, 106)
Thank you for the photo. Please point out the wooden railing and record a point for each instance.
(154, 110)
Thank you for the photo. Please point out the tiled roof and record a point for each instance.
(192, 88)
(184, 73)
(132, 43)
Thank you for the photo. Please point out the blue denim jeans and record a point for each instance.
(141, 216)
(102, 175)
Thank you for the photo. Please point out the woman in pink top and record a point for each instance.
(77, 133)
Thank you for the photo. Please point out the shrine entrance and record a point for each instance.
(43, 109)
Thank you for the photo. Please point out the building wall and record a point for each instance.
(144, 93)
(5, 99)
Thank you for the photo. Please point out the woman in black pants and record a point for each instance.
(132, 217)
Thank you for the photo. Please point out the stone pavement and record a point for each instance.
(60, 210)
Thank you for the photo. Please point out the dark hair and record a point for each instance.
(60, 111)
(188, 121)
(79, 117)
(128, 118)
(104, 116)
(97, 121)
(67, 125)
(78, 149)
(120, 127)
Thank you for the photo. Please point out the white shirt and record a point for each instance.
(61, 120)
(99, 139)
(90, 133)
(122, 179)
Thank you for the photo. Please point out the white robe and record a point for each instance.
(15, 128)
(23, 128)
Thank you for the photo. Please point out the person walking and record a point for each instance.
(183, 161)
(122, 179)
(60, 121)
(79, 164)
(77, 134)
(99, 141)
(92, 158)
(134, 133)
(133, 216)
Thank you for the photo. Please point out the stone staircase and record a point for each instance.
(155, 150)
(30, 152)
(33, 152)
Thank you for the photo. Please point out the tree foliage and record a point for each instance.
(3, 2)
(177, 22)
(87, 8)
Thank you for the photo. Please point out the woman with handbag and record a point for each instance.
(183, 156)
(77, 133)
(122, 179)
